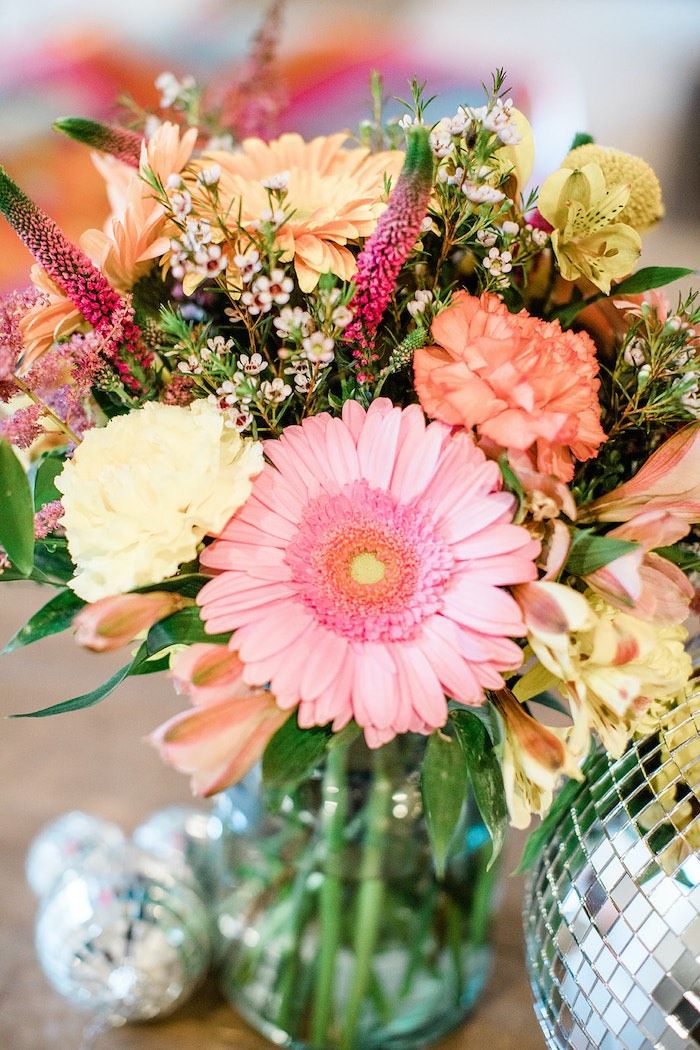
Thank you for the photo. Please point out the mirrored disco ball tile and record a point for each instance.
(612, 912)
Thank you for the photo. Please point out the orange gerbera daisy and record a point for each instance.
(335, 195)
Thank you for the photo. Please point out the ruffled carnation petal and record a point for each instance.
(520, 382)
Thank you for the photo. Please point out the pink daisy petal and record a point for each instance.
(419, 451)
(273, 631)
(363, 578)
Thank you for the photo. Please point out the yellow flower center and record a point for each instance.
(366, 568)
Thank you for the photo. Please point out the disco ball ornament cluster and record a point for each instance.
(612, 908)
(124, 929)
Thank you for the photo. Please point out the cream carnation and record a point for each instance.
(141, 493)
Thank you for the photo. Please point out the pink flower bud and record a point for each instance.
(219, 741)
(113, 622)
(669, 480)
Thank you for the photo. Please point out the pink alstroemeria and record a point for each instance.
(121, 143)
(381, 259)
(113, 622)
(219, 741)
(642, 581)
(669, 480)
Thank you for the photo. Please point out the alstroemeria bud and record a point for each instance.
(219, 741)
(669, 480)
(206, 672)
(113, 622)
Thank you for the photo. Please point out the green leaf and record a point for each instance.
(52, 561)
(86, 700)
(589, 552)
(543, 832)
(45, 475)
(566, 315)
(444, 789)
(581, 138)
(188, 585)
(485, 775)
(650, 277)
(512, 483)
(184, 627)
(687, 560)
(16, 511)
(152, 664)
(641, 281)
(293, 752)
(54, 617)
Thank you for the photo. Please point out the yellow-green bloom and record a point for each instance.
(645, 206)
(587, 239)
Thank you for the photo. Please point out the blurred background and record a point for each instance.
(627, 71)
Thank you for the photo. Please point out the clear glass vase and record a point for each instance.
(334, 931)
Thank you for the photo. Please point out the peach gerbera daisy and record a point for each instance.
(519, 382)
(364, 576)
(335, 196)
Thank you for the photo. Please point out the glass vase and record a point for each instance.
(335, 932)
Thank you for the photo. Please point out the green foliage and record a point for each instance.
(444, 786)
(293, 752)
(86, 700)
(184, 627)
(589, 552)
(188, 584)
(642, 281)
(16, 511)
(581, 138)
(54, 617)
(650, 277)
(484, 770)
(44, 476)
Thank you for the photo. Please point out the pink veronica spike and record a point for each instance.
(381, 259)
(81, 281)
(121, 143)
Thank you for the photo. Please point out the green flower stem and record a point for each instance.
(335, 799)
(482, 901)
(370, 899)
(301, 912)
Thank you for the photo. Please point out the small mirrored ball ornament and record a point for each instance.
(127, 944)
(179, 834)
(64, 844)
(612, 908)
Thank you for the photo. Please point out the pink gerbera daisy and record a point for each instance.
(364, 576)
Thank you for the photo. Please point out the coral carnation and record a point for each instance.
(520, 382)
(363, 578)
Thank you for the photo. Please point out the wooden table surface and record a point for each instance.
(93, 760)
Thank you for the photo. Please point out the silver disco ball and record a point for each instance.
(612, 908)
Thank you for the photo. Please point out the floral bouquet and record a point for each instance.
(376, 454)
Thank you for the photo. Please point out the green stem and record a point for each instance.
(370, 899)
(302, 901)
(330, 903)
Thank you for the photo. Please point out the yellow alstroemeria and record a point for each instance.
(535, 758)
(586, 239)
(612, 666)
